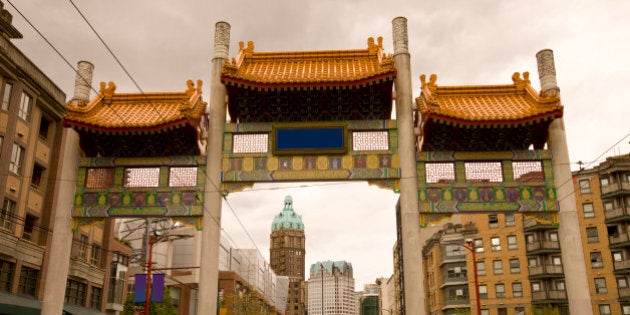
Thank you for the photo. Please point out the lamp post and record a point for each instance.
(471, 247)
(322, 272)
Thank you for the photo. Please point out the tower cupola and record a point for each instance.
(287, 219)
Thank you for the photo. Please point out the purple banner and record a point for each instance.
(139, 288)
(157, 288)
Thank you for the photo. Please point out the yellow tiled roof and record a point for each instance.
(111, 112)
(489, 104)
(308, 67)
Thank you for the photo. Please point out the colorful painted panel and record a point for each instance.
(445, 188)
(176, 187)
(379, 164)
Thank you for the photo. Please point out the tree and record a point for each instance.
(165, 307)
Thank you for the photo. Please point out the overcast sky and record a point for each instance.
(164, 43)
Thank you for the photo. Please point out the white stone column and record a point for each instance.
(211, 233)
(410, 217)
(573, 261)
(61, 243)
(83, 81)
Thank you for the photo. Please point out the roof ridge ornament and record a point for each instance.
(107, 91)
(429, 89)
(520, 83)
(191, 87)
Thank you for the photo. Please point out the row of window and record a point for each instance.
(24, 109)
(27, 282)
(585, 184)
(9, 220)
(141, 177)
(16, 164)
(82, 251)
(76, 294)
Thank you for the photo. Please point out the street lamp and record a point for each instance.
(471, 247)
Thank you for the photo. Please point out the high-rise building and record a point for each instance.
(331, 285)
(287, 253)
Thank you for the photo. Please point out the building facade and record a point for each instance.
(603, 199)
(287, 253)
(331, 289)
(31, 135)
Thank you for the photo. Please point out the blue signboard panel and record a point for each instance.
(292, 139)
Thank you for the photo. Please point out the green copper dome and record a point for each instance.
(287, 219)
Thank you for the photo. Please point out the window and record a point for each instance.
(44, 126)
(585, 186)
(95, 257)
(530, 238)
(495, 242)
(456, 272)
(16, 158)
(604, 309)
(481, 268)
(604, 182)
(591, 235)
(83, 244)
(625, 309)
(553, 236)
(589, 212)
(511, 240)
(493, 221)
(622, 282)
(454, 250)
(608, 205)
(498, 267)
(600, 285)
(532, 262)
(499, 290)
(483, 291)
(95, 300)
(6, 275)
(29, 224)
(7, 215)
(519, 311)
(515, 265)
(28, 281)
(502, 311)
(75, 293)
(528, 171)
(36, 178)
(6, 96)
(617, 256)
(517, 289)
(536, 287)
(478, 245)
(556, 261)
(24, 111)
(485, 312)
(596, 260)
(509, 219)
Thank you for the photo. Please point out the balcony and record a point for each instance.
(530, 225)
(620, 240)
(14, 246)
(615, 189)
(622, 266)
(83, 270)
(616, 215)
(553, 296)
(624, 294)
(543, 246)
(547, 271)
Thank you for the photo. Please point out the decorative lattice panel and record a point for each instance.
(484, 172)
(142, 177)
(528, 171)
(250, 143)
(182, 177)
(370, 140)
(99, 178)
(440, 173)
